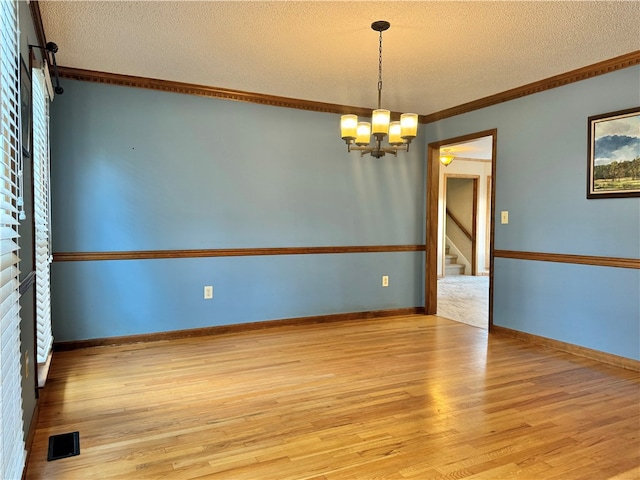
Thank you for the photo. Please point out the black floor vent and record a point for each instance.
(64, 445)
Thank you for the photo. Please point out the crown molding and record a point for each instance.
(205, 91)
(607, 66)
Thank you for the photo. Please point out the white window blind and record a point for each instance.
(11, 434)
(41, 204)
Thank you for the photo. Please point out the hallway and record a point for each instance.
(465, 299)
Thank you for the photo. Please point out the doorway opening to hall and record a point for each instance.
(464, 213)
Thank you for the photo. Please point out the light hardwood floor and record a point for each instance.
(404, 397)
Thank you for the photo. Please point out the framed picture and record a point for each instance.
(25, 108)
(613, 163)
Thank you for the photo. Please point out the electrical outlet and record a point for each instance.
(385, 280)
(208, 292)
(504, 217)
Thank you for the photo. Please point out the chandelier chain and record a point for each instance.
(380, 71)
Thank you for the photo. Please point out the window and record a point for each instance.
(41, 203)
(12, 452)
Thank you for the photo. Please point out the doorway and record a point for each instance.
(457, 250)
(460, 222)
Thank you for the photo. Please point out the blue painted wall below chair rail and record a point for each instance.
(137, 169)
(128, 297)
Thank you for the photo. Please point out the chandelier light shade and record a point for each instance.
(399, 133)
(447, 158)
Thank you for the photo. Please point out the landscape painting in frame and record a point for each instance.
(614, 154)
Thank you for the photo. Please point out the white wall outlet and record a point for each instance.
(385, 280)
(208, 292)
(504, 217)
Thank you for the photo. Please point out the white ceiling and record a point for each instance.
(436, 54)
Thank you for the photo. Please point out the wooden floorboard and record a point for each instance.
(416, 397)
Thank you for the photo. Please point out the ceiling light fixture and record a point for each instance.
(400, 132)
(447, 158)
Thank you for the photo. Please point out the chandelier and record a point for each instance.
(447, 158)
(400, 133)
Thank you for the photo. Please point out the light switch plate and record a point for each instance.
(208, 292)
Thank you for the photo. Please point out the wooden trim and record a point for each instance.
(230, 252)
(461, 139)
(460, 226)
(235, 328)
(36, 17)
(592, 193)
(474, 228)
(431, 221)
(567, 258)
(600, 68)
(207, 91)
(607, 66)
(431, 233)
(471, 236)
(492, 220)
(443, 196)
(590, 353)
(487, 239)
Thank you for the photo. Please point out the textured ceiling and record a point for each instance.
(435, 55)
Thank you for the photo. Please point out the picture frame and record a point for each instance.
(25, 108)
(613, 159)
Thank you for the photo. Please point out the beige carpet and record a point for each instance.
(465, 299)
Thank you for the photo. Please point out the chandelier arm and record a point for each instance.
(386, 149)
(394, 150)
(378, 152)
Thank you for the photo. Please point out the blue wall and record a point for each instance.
(136, 169)
(541, 180)
(142, 170)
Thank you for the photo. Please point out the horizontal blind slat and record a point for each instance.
(12, 459)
